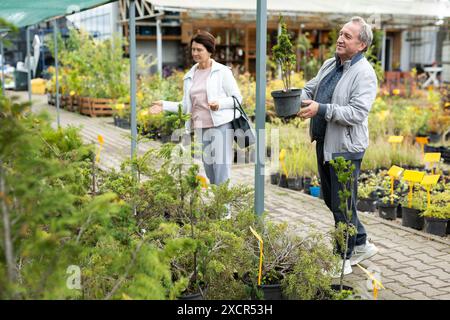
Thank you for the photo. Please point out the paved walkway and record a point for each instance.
(410, 264)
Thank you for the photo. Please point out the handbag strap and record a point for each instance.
(239, 107)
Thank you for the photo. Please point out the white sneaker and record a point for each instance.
(363, 252)
(347, 269)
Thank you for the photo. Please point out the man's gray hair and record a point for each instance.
(365, 34)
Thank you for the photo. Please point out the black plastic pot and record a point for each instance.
(436, 226)
(306, 184)
(399, 211)
(122, 122)
(283, 181)
(337, 287)
(275, 178)
(435, 137)
(366, 205)
(272, 291)
(287, 103)
(411, 218)
(387, 211)
(295, 183)
(195, 296)
(165, 138)
(448, 228)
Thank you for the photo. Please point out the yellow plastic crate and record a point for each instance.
(38, 86)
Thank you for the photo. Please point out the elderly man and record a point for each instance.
(338, 101)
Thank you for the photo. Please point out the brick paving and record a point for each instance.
(411, 264)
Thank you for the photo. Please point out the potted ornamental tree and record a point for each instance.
(344, 171)
(287, 101)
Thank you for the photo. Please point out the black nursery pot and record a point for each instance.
(200, 295)
(195, 296)
(436, 226)
(366, 205)
(272, 291)
(387, 211)
(306, 184)
(295, 183)
(337, 288)
(283, 181)
(275, 178)
(399, 211)
(411, 218)
(287, 103)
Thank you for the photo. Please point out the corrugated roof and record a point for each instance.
(28, 12)
(363, 7)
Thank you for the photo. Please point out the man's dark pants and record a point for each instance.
(330, 187)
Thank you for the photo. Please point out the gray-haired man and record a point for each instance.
(338, 101)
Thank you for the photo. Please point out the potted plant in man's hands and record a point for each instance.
(287, 101)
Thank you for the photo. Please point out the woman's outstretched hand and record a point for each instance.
(156, 107)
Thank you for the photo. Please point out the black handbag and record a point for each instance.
(244, 134)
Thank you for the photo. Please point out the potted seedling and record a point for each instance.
(387, 207)
(295, 169)
(344, 171)
(289, 266)
(412, 211)
(367, 197)
(287, 101)
(314, 189)
(437, 214)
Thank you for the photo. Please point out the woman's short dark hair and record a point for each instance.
(206, 39)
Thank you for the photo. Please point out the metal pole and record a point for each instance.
(3, 71)
(159, 45)
(55, 39)
(261, 34)
(133, 76)
(29, 64)
(383, 50)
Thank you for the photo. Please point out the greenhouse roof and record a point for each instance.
(428, 8)
(28, 12)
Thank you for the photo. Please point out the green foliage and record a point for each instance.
(390, 199)
(90, 68)
(309, 64)
(440, 206)
(372, 55)
(344, 171)
(284, 54)
(50, 221)
(418, 201)
(310, 278)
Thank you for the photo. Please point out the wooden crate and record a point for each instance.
(71, 103)
(96, 107)
(84, 105)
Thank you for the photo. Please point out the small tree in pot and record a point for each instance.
(344, 171)
(287, 101)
